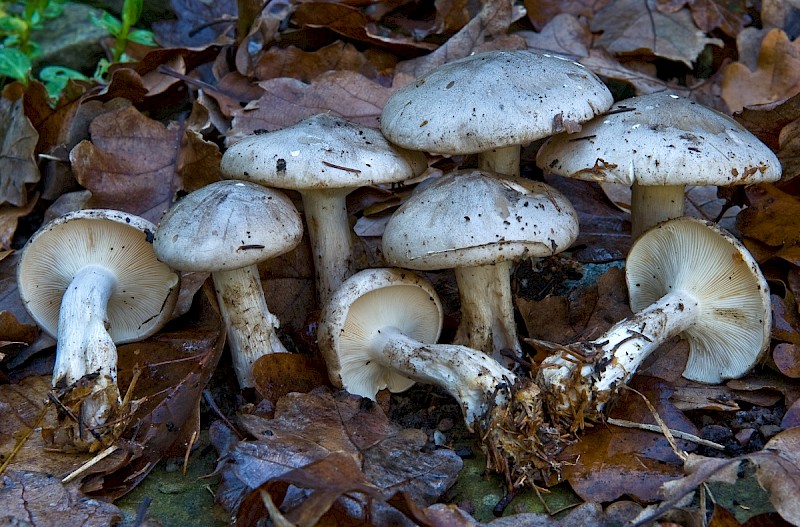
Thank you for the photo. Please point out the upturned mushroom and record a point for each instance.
(478, 223)
(685, 277)
(91, 279)
(492, 103)
(324, 158)
(227, 228)
(379, 330)
(658, 144)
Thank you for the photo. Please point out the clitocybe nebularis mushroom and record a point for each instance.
(685, 277)
(227, 228)
(658, 144)
(492, 103)
(324, 158)
(379, 330)
(478, 223)
(91, 279)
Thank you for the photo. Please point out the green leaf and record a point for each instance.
(55, 78)
(14, 64)
(108, 22)
(131, 11)
(11, 25)
(142, 36)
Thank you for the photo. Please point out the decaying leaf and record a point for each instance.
(776, 79)
(17, 164)
(130, 163)
(773, 219)
(630, 26)
(308, 428)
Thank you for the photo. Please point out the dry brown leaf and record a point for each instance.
(777, 77)
(307, 65)
(565, 34)
(40, 499)
(541, 12)
(709, 15)
(787, 359)
(17, 163)
(9, 215)
(199, 24)
(278, 374)
(199, 158)
(773, 219)
(351, 22)
(288, 101)
(130, 163)
(489, 24)
(778, 471)
(630, 26)
(789, 152)
(308, 428)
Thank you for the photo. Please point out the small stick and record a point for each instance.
(192, 441)
(655, 428)
(86, 466)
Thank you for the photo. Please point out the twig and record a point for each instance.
(655, 428)
(86, 466)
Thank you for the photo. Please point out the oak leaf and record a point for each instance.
(629, 26)
(129, 164)
(776, 78)
(17, 163)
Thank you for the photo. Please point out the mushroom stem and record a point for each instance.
(652, 204)
(473, 378)
(487, 310)
(330, 235)
(503, 160)
(581, 378)
(251, 327)
(84, 345)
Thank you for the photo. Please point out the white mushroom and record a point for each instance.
(324, 158)
(658, 144)
(227, 228)
(685, 277)
(478, 223)
(492, 103)
(91, 279)
(379, 330)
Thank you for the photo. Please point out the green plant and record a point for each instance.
(123, 32)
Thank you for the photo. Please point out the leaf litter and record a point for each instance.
(156, 130)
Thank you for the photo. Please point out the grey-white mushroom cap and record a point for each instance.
(367, 302)
(227, 225)
(661, 139)
(471, 217)
(323, 151)
(146, 289)
(733, 329)
(492, 100)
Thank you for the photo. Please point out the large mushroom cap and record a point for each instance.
(661, 139)
(323, 151)
(492, 100)
(366, 302)
(472, 217)
(733, 328)
(146, 290)
(227, 225)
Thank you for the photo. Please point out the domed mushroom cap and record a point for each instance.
(472, 217)
(366, 302)
(733, 328)
(146, 290)
(492, 100)
(661, 139)
(227, 225)
(323, 151)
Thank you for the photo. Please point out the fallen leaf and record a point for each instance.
(199, 24)
(777, 77)
(278, 374)
(778, 471)
(773, 218)
(729, 16)
(787, 359)
(130, 163)
(629, 26)
(307, 65)
(9, 216)
(17, 163)
(287, 101)
(541, 12)
(308, 428)
(40, 499)
(565, 34)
